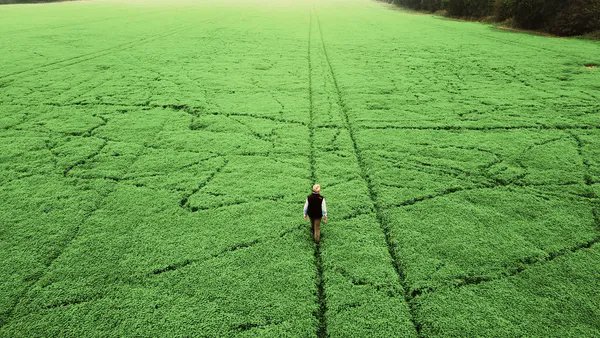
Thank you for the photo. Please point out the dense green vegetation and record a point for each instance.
(3, 2)
(155, 157)
(561, 17)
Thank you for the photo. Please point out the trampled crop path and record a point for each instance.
(155, 157)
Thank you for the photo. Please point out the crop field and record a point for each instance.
(155, 157)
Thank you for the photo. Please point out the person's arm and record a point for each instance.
(305, 208)
(324, 209)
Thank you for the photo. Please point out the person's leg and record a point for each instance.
(317, 229)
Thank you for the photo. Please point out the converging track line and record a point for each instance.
(398, 267)
(321, 313)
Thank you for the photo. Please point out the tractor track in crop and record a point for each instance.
(321, 312)
(395, 259)
(66, 243)
(87, 22)
(525, 263)
(247, 244)
(485, 128)
(470, 170)
(520, 266)
(184, 202)
(91, 55)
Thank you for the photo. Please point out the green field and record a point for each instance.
(155, 157)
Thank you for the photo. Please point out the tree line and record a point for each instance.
(560, 17)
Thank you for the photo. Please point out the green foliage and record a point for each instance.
(152, 176)
(572, 17)
(427, 5)
(537, 13)
(581, 16)
(563, 294)
(2, 2)
(469, 8)
(504, 9)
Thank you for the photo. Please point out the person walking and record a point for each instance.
(315, 208)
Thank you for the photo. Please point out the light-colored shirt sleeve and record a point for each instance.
(305, 207)
(324, 208)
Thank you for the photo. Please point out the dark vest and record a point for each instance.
(314, 206)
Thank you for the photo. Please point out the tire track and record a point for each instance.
(47, 28)
(486, 128)
(184, 202)
(70, 238)
(524, 263)
(90, 56)
(587, 178)
(226, 250)
(521, 265)
(311, 125)
(86, 23)
(192, 110)
(321, 313)
(396, 262)
(84, 160)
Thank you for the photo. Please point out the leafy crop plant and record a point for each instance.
(155, 157)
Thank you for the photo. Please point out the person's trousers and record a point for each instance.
(316, 228)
